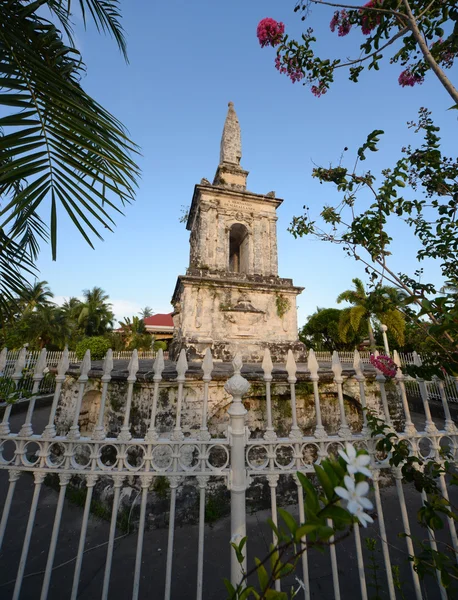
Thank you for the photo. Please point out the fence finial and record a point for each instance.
(237, 363)
(19, 365)
(358, 364)
(40, 365)
(416, 359)
(312, 363)
(158, 365)
(267, 365)
(207, 365)
(86, 364)
(133, 366)
(3, 355)
(336, 365)
(397, 360)
(63, 364)
(182, 365)
(108, 364)
(291, 366)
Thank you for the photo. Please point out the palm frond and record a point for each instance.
(65, 147)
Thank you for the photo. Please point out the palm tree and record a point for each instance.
(131, 330)
(146, 312)
(96, 316)
(46, 327)
(58, 146)
(381, 305)
(36, 295)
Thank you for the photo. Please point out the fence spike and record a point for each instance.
(291, 366)
(312, 363)
(86, 364)
(207, 364)
(336, 365)
(182, 365)
(108, 363)
(416, 359)
(158, 365)
(41, 364)
(358, 364)
(63, 364)
(267, 365)
(3, 355)
(19, 365)
(397, 359)
(237, 363)
(133, 365)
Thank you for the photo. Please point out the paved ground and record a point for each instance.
(185, 550)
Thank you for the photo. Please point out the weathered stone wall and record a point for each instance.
(258, 495)
(219, 402)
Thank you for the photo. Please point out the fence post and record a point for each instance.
(237, 386)
(384, 329)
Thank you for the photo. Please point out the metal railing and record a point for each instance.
(240, 457)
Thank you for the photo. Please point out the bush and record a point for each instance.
(97, 345)
(159, 345)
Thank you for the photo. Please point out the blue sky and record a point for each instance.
(187, 60)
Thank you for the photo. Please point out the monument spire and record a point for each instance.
(231, 140)
(229, 172)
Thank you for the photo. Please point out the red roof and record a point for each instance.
(159, 320)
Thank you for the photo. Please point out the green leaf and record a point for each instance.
(325, 481)
(304, 530)
(337, 513)
(288, 519)
(262, 574)
(311, 497)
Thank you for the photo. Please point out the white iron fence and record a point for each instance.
(242, 458)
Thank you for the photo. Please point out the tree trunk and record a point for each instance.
(371, 335)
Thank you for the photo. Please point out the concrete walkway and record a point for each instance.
(217, 550)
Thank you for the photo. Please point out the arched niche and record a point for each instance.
(238, 249)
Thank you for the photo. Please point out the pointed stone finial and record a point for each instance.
(336, 366)
(207, 365)
(19, 365)
(133, 367)
(85, 366)
(231, 140)
(63, 364)
(267, 365)
(312, 364)
(291, 367)
(158, 365)
(3, 355)
(416, 359)
(40, 365)
(237, 363)
(182, 366)
(358, 364)
(107, 365)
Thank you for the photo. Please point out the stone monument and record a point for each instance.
(231, 298)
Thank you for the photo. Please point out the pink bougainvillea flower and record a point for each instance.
(270, 32)
(370, 19)
(407, 78)
(384, 364)
(341, 21)
(319, 90)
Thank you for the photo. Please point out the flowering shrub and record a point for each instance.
(407, 78)
(290, 67)
(270, 32)
(384, 364)
(369, 19)
(342, 22)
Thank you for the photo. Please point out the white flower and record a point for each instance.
(363, 517)
(45, 370)
(354, 494)
(355, 464)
